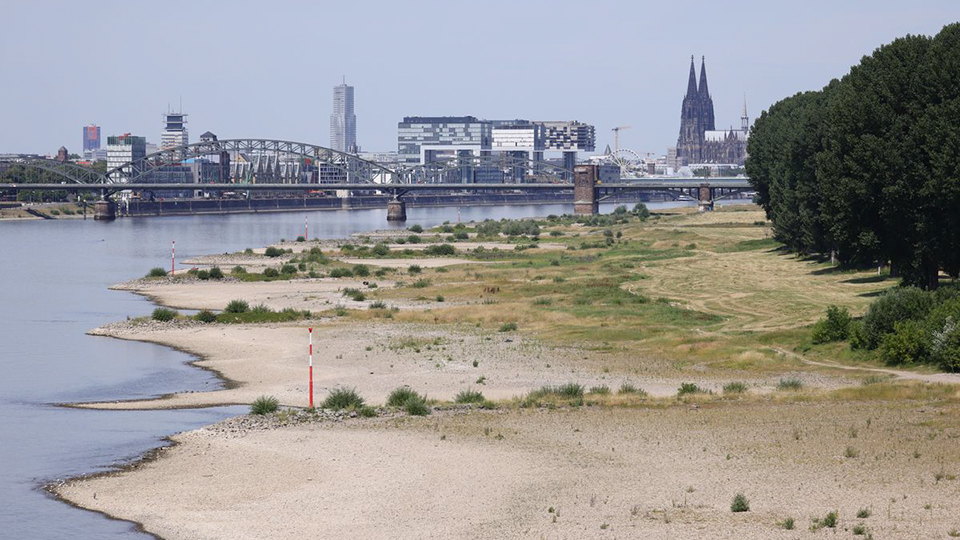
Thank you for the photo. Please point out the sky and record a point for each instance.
(248, 69)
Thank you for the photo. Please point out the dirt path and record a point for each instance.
(943, 378)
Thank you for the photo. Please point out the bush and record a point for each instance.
(461, 235)
(413, 239)
(520, 227)
(380, 250)
(416, 407)
(356, 294)
(361, 270)
(264, 405)
(271, 272)
(260, 309)
(163, 314)
(834, 327)
(945, 345)
(735, 387)
(288, 269)
(343, 398)
(416, 228)
(273, 252)
(740, 503)
(377, 304)
(790, 383)
(238, 270)
(237, 306)
(627, 388)
(157, 272)
(414, 269)
(508, 327)
(341, 272)
(401, 395)
(857, 335)
(420, 283)
(367, 411)
(690, 388)
(203, 275)
(897, 305)
(469, 396)
(301, 239)
(216, 273)
(640, 210)
(787, 524)
(205, 316)
(440, 249)
(908, 343)
(601, 389)
(488, 228)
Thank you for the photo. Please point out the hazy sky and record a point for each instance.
(266, 69)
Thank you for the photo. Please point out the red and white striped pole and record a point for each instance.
(173, 257)
(306, 229)
(311, 368)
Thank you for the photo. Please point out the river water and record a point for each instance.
(53, 289)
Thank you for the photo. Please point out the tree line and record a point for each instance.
(867, 169)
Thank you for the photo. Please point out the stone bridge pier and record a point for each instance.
(585, 197)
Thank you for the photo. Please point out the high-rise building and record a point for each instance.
(699, 141)
(174, 132)
(123, 149)
(91, 137)
(343, 122)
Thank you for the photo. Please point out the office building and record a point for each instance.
(174, 132)
(123, 149)
(569, 137)
(343, 121)
(91, 138)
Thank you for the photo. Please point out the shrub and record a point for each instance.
(830, 520)
(735, 387)
(414, 269)
(508, 327)
(216, 273)
(857, 335)
(834, 327)
(260, 309)
(416, 407)
(897, 305)
(790, 383)
(355, 294)
(520, 227)
(377, 304)
(248, 251)
(640, 210)
(157, 272)
(238, 270)
(380, 250)
(203, 275)
(205, 316)
(301, 239)
(601, 389)
(787, 524)
(237, 306)
(416, 228)
(469, 396)
(461, 235)
(288, 269)
(413, 239)
(271, 272)
(343, 398)
(401, 395)
(627, 388)
(740, 503)
(264, 405)
(863, 513)
(488, 228)
(367, 411)
(440, 249)
(690, 388)
(341, 272)
(163, 314)
(945, 345)
(440, 298)
(420, 283)
(907, 344)
(273, 252)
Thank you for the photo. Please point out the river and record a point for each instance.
(54, 283)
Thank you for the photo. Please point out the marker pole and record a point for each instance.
(306, 229)
(173, 257)
(311, 368)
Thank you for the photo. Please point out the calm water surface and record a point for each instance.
(53, 288)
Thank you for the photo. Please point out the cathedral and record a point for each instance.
(700, 142)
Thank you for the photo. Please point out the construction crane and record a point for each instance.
(616, 137)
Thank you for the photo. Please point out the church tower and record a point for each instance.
(706, 102)
(744, 119)
(691, 120)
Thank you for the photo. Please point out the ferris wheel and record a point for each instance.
(630, 162)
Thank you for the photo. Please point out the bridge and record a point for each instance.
(308, 167)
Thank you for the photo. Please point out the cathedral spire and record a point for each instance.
(704, 91)
(744, 119)
(692, 82)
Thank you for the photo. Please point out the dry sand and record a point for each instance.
(590, 473)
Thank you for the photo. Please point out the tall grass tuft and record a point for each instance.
(264, 405)
(469, 395)
(740, 503)
(237, 306)
(401, 395)
(343, 398)
(163, 314)
(735, 387)
(157, 272)
(790, 383)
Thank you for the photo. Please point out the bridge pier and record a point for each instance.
(396, 210)
(585, 200)
(105, 210)
(705, 196)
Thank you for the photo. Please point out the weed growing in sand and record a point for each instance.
(377, 304)
(787, 524)
(690, 388)
(859, 529)
(414, 269)
(568, 391)
(367, 411)
(851, 452)
(740, 503)
(627, 388)
(157, 272)
(355, 294)
(401, 395)
(341, 272)
(790, 383)
(542, 301)
(164, 314)
(601, 389)
(216, 273)
(264, 405)
(863, 513)
(238, 270)
(508, 327)
(273, 252)
(735, 387)
(482, 380)
(953, 533)
(416, 406)
(420, 283)
(469, 396)
(343, 398)
(205, 316)
(237, 306)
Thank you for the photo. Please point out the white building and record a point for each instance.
(174, 132)
(343, 121)
(123, 149)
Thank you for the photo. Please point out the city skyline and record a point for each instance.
(631, 74)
